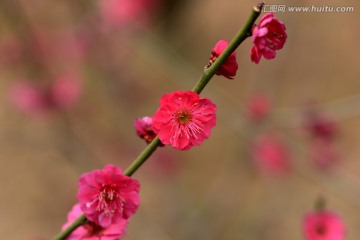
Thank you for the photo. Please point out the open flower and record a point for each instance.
(93, 231)
(229, 67)
(107, 196)
(184, 119)
(268, 36)
(323, 225)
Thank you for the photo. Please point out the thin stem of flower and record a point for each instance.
(244, 33)
(143, 156)
(203, 81)
(77, 223)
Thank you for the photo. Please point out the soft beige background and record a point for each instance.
(215, 192)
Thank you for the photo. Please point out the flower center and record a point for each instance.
(183, 116)
(108, 199)
(320, 229)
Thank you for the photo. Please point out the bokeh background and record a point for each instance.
(125, 57)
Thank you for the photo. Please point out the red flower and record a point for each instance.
(258, 107)
(93, 231)
(320, 126)
(143, 128)
(268, 36)
(65, 91)
(271, 155)
(323, 132)
(323, 225)
(229, 67)
(107, 196)
(62, 94)
(323, 153)
(184, 119)
(126, 12)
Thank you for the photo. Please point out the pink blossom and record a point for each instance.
(229, 67)
(164, 165)
(124, 12)
(143, 128)
(258, 107)
(323, 225)
(323, 153)
(93, 231)
(323, 131)
(268, 36)
(321, 126)
(184, 119)
(271, 155)
(65, 91)
(28, 98)
(108, 196)
(35, 100)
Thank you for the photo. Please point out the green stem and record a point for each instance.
(143, 156)
(78, 222)
(208, 73)
(244, 33)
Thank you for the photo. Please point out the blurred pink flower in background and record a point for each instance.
(165, 165)
(320, 126)
(258, 107)
(323, 225)
(323, 132)
(268, 36)
(93, 231)
(184, 119)
(119, 13)
(65, 49)
(29, 98)
(323, 153)
(229, 67)
(271, 155)
(107, 196)
(65, 91)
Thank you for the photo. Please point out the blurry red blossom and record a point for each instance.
(323, 132)
(184, 119)
(107, 196)
(93, 231)
(271, 155)
(63, 48)
(267, 37)
(164, 165)
(323, 153)
(320, 126)
(29, 98)
(323, 225)
(120, 13)
(229, 67)
(258, 107)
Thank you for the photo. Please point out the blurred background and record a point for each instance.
(75, 75)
